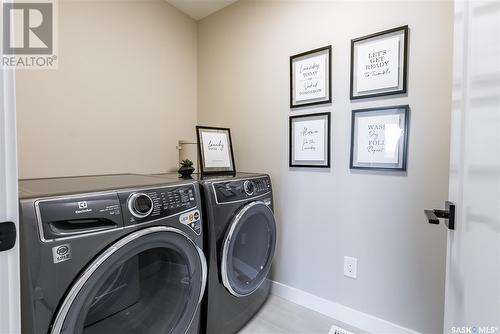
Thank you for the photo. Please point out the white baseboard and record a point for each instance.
(349, 316)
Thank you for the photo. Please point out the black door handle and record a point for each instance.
(7, 236)
(448, 215)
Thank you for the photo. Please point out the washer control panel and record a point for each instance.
(238, 190)
(145, 205)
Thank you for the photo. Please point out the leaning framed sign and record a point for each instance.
(215, 150)
(379, 64)
(310, 77)
(379, 138)
(310, 140)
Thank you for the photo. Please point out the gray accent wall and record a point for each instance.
(324, 215)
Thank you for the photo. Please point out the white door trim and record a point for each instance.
(10, 310)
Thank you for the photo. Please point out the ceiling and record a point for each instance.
(198, 9)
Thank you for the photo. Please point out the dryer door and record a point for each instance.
(151, 281)
(248, 249)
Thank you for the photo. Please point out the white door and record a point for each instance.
(9, 259)
(472, 303)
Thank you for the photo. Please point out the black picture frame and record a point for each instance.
(204, 170)
(403, 144)
(402, 29)
(313, 102)
(291, 161)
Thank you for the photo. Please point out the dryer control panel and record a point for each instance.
(149, 204)
(238, 190)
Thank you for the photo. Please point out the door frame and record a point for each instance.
(10, 308)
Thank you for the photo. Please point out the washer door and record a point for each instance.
(151, 281)
(248, 249)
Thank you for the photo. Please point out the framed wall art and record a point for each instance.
(310, 77)
(379, 138)
(310, 140)
(215, 150)
(379, 64)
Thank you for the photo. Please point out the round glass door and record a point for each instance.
(148, 282)
(248, 249)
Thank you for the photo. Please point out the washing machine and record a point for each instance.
(111, 254)
(240, 242)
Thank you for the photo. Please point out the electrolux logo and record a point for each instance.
(474, 330)
(83, 207)
(29, 34)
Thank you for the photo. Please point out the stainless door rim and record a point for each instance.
(68, 301)
(227, 242)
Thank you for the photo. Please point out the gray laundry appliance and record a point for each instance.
(240, 240)
(111, 254)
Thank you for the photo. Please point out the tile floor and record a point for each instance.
(279, 316)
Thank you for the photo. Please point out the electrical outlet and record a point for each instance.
(350, 266)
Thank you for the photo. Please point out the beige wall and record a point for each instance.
(243, 83)
(124, 93)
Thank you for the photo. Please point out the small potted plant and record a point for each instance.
(186, 168)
